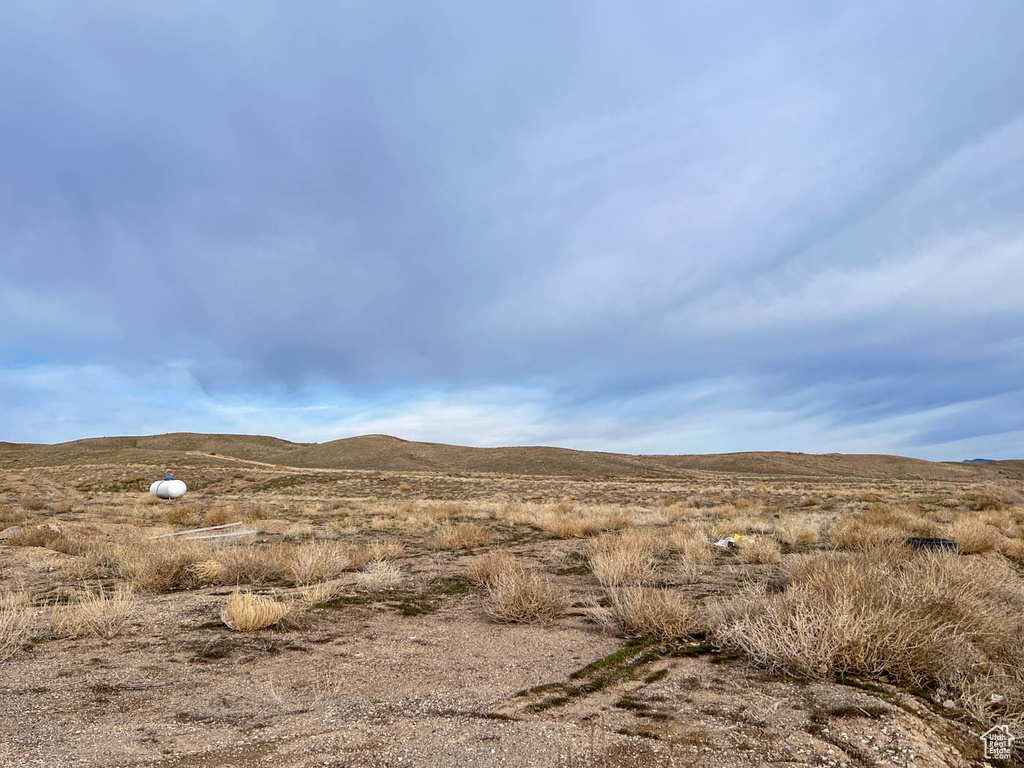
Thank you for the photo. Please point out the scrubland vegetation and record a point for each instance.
(820, 585)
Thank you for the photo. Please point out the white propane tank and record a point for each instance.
(168, 488)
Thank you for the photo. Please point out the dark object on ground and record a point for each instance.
(920, 542)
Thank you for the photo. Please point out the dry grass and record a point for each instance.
(14, 624)
(797, 533)
(917, 620)
(520, 596)
(565, 521)
(247, 612)
(1014, 550)
(320, 592)
(760, 551)
(384, 549)
(487, 568)
(648, 611)
(36, 536)
(693, 559)
(165, 566)
(852, 532)
(379, 575)
(315, 561)
(625, 558)
(973, 536)
(461, 536)
(299, 564)
(182, 515)
(251, 564)
(517, 514)
(802, 617)
(443, 511)
(97, 560)
(991, 497)
(561, 526)
(221, 516)
(96, 613)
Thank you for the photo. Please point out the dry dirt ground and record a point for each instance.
(418, 672)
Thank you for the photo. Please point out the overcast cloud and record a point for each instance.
(657, 227)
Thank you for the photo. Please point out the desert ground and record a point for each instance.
(407, 604)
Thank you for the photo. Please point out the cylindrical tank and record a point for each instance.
(168, 488)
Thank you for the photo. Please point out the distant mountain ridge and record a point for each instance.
(387, 453)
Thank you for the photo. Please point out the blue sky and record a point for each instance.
(654, 228)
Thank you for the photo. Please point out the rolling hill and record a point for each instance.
(386, 453)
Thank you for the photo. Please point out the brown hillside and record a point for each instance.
(829, 465)
(391, 453)
(158, 449)
(385, 453)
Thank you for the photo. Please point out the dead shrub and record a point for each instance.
(521, 596)
(927, 620)
(897, 517)
(487, 568)
(181, 515)
(760, 551)
(385, 549)
(34, 504)
(516, 513)
(646, 611)
(973, 536)
(247, 612)
(444, 510)
(852, 531)
(36, 536)
(311, 595)
(220, 516)
(565, 521)
(315, 561)
(560, 526)
(881, 523)
(693, 554)
(379, 575)
(10, 516)
(246, 564)
(252, 512)
(1004, 520)
(805, 536)
(461, 536)
(165, 566)
(991, 497)
(1014, 550)
(796, 534)
(209, 572)
(98, 560)
(96, 613)
(622, 558)
(14, 624)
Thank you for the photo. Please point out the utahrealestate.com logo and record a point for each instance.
(998, 743)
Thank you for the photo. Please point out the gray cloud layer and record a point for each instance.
(589, 211)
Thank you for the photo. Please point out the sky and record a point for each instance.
(653, 227)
